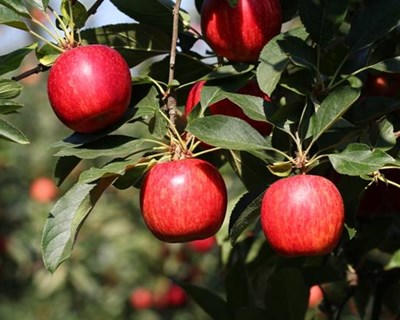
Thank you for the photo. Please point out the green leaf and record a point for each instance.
(16, 5)
(66, 218)
(273, 61)
(8, 106)
(40, 4)
(252, 106)
(12, 133)
(322, 18)
(12, 60)
(227, 132)
(149, 105)
(299, 52)
(109, 146)
(394, 261)
(332, 108)
(246, 211)
(373, 22)
(47, 54)
(79, 13)
(382, 135)
(136, 42)
(358, 159)
(11, 18)
(287, 295)
(373, 108)
(152, 12)
(228, 71)
(387, 65)
(212, 304)
(9, 89)
(64, 167)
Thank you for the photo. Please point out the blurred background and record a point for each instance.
(118, 270)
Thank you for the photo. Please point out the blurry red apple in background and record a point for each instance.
(240, 33)
(203, 245)
(89, 87)
(183, 200)
(141, 298)
(176, 296)
(383, 84)
(316, 296)
(228, 108)
(43, 189)
(302, 215)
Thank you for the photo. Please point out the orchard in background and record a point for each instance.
(297, 180)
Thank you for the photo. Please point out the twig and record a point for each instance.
(93, 9)
(39, 68)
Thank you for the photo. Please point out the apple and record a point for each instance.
(176, 296)
(228, 108)
(183, 200)
(89, 87)
(240, 33)
(383, 84)
(381, 198)
(141, 298)
(43, 190)
(302, 215)
(203, 245)
(316, 296)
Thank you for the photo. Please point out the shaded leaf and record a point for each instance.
(11, 18)
(8, 106)
(299, 52)
(64, 167)
(9, 89)
(388, 65)
(12, 60)
(79, 13)
(358, 159)
(252, 106)
(66, 218)
(47, 54)
(394, 261)
(16, 5)
(40, 4)
(12, 133)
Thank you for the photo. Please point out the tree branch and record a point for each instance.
(93, 9)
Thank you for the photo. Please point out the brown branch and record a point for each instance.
(39, 68)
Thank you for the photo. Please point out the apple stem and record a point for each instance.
(39, 68)
(45, 40)
(205, 152)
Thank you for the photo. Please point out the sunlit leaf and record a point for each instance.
(11, 133)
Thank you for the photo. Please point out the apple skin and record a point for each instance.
(302, 215)
(239, 34)
(316, 296)
(89, 87)
(228, 108)
(183, 200)
(141, 298)
(383, 84)
(43, 190)
(204, 245)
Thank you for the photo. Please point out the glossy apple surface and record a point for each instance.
(316, 296)
(183, 200)
(89, 87)
(302, 215)
(43, 190)
(228, 108)
(240, 33)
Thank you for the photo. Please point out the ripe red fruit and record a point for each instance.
(316, 296)
(384, 84)
(43, 190)
(203, 245)
(183, 200)
(176, 296)
(141, 298)
(302, 215)
(240, 33)
(89, 87)
(228, 108)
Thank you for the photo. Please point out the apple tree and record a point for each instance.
(296, 103)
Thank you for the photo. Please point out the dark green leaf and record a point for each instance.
(12, 19)
(9, 89)
(246, 211)
(238, 291)
(8, 106)
(158, 125)
(12, 60)
(109, 146)
(252, 106)
(212, 304)
(66, 218)
(79, 13)
(382, 135)
(64, 167)
(227, 132)
(12, 133)
(372, 22)
(273, 61)
(322, 18)
(253, 313)
(358, 159)
(388, 65)
(149, 105)
(299, 52)
(228, 71)
(287, 295)
(47, 54)
(332, 108)
(374, 107)
(136, 42)
(16, 5)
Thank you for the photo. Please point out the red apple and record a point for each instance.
(141, 298)
(43, 190)
(381, 198)
(183, 200)
(176, 296)
(228, 108)
(203, 245)
(240, 33)
(302, 215)
(89, 87)
(383, 84)
(316, 296)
